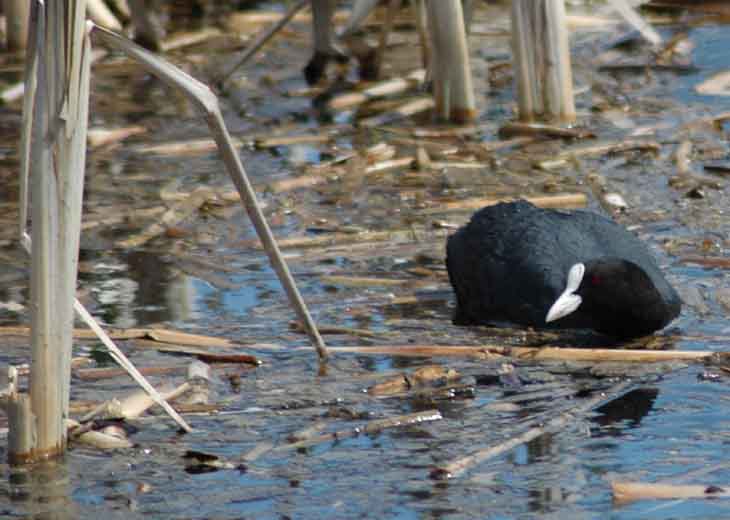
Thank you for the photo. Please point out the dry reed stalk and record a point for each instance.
(17, 14)
(52, 156)
(288, 140)
(400, 235)
(384, 88)
(173, 216)
(98, 137)
(633, 18)
(708, 261)
(389, 165)
(134, 405)
(188, 39)
(208, 104)
(369, 428)
(262, 38)
(102, 15)
(97, 439)
(542, 60)
(682, 157)
(599, 149)
(543, 130)
(330, 329)
(410, 108)
(625, 492)
(366, 281)
(460, 466)
(563, 200)
(452, 82)
(97, 374)
(592, 355)
(159, 335)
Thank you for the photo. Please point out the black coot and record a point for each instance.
(546, 268)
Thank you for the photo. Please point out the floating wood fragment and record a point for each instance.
(12, 93)
(547, 353)
(97, 137)
(445, 132)
(339, 238)
(625, 492)
(707, 261)
(365, 281)
(102, 15)
(392, 164)
(435, 148)
(422, 377)
(379, 152)
(565, 200)
(98, 439)
(189, 38)
(540, 130)
(157, 335)
(93, 221)
(181, 148)
(173, 216)
(408, 109)
(173, 348)
(236, 21)
(458, 165)
(598, 149)
(383, 88)
(296, 183)
(96, 374)
(369, 428)
(139, 402)
(460, 466)
(682, 157)
(331, 329)
(716, 85)
(289, 140)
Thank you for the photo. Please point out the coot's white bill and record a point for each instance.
(568, 301)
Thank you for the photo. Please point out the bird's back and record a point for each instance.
(510, 262)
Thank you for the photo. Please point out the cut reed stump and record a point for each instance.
(53, 150)
(450, 67)
(542, 61)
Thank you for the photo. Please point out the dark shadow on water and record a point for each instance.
(42, 492)
(625, 412)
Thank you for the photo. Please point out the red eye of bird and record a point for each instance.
(596, 280)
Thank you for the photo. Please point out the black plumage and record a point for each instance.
(511, 263)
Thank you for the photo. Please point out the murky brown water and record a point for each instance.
(207, 276)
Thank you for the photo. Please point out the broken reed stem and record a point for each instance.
(124, 362)
(524, 353)
(52, 156)
(207, 103)
(350, 100)
(369, 428)
(262, 38)
(625, 492)
(462, 465)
